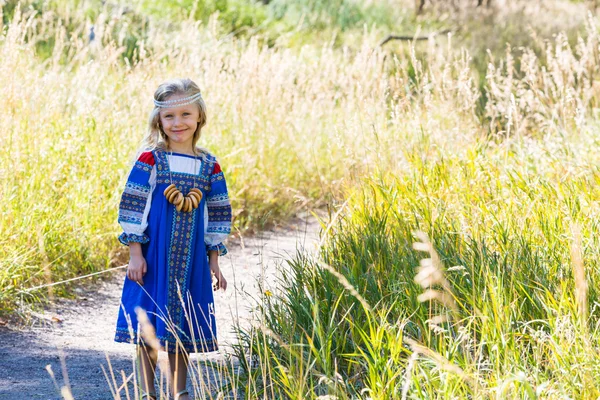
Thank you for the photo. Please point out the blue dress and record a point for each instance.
(177, 293)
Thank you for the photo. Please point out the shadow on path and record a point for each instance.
(23, 360)
(86, 325)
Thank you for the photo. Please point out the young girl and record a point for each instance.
(175, 214)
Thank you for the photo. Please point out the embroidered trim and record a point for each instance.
(136, 193)
(127, 215)
(191, 346)
(219, 212)
(137, 190)
(219, 228)
(219, 247)
(182, 236)
(184, 179)
(126, 238)
(143, 166)
(218, 200)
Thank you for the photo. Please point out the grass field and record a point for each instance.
(497, 315)
(492, 156)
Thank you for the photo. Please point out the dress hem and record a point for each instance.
(198, 346)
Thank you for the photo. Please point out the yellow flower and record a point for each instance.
(268, 293)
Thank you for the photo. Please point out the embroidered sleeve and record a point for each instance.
(218, 209)
(135, 200)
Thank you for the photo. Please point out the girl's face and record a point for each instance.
(180, 123)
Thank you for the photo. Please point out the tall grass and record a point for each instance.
(400, 135)
(505, 318)
(291, 126)
(72, 124)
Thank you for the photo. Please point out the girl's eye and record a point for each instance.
(168, 116)
(186, 114)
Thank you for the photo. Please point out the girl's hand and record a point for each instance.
(137, 264)
(214, 268)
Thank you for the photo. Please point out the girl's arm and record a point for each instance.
(137, 264)
(133, 213)
(213, 261)
(218, 223)
(218, 213)
(135, 200)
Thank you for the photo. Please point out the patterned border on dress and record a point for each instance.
(126, 238)
(182, 237)
(190, 346)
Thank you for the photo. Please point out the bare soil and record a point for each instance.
(80, 332)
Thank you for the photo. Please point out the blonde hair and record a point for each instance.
(156, 137)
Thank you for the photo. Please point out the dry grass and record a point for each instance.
(299, 127)
(291, 127)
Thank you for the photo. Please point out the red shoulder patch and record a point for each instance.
(217, 168)
(147, 158)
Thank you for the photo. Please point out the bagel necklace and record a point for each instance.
(174, 196)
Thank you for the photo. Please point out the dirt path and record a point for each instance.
(85, 335)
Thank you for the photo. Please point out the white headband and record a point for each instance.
(178, 102)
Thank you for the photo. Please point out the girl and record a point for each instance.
(175, 214)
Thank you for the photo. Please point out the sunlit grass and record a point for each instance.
(503, 318)
(291, 127)
(400, 140)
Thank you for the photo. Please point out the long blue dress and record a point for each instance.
(177, 293)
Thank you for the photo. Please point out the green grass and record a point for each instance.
(497, 168)
(292, 126)
(500, 219)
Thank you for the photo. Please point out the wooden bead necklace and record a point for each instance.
(174, 196)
